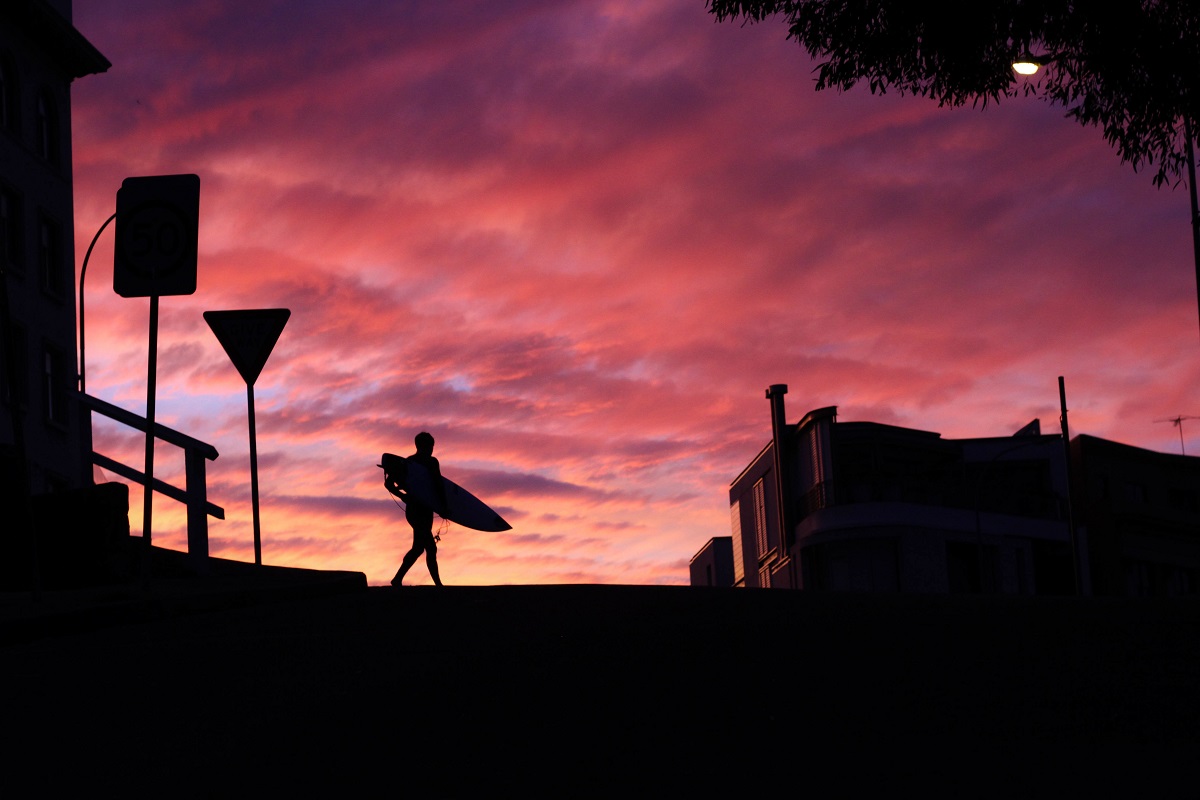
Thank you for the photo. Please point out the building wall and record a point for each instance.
(1140, 511)
(754, 521)
(884, 508)
(914, 548)
(41, 54)
(812, 456)
(906, 510)
(713, 565)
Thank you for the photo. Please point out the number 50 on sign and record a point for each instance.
(157, 221)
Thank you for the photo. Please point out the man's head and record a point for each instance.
(424, 442)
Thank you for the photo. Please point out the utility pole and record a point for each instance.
(1066, 437)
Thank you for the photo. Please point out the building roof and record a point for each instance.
(710, 544)
(1129, 452)
(47, 28)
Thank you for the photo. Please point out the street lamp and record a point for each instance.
(1028, 64)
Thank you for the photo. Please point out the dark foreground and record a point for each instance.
(610, 691)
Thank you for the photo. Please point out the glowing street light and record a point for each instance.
(1026, 65)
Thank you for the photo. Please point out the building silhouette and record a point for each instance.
(871, 507)
(713, 564)
(1141, 512)
(41, 53)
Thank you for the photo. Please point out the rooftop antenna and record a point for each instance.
(1177, 421)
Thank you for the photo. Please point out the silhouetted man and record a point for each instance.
(419, 515)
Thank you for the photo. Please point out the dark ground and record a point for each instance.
(595, 690)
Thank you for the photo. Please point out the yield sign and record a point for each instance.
(248, 336)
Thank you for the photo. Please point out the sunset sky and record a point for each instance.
(576, 240)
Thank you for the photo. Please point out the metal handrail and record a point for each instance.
(195, 492)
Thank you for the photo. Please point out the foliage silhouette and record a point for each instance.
(1127, 66)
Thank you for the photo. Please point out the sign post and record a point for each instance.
(155, 255)
(248, 338)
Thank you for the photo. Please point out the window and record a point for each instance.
(1180, 581)
(20, 358)
(51, 265)
(1149, 579)
(760, 518)
(1137, 578)
(1183, 499)
(55, 483)
(739, 566)
(10, 228)
(54, 385)
(49, 145)
(1135, 493)
(1053, 568)
(970, 567)
(853, 565)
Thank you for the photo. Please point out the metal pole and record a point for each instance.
(148, 493)
(1191, 165)
(82, 275)
(1066, 437)
(254, 474)
(196, 487)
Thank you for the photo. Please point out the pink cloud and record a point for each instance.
(576, 241)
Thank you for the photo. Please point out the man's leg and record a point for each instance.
(431, 562)
(410, 558)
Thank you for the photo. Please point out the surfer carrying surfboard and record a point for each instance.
(419, 514)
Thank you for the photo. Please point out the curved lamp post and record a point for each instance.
(82, 275)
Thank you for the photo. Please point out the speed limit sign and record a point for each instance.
(157, 219)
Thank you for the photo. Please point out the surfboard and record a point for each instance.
(464, 508)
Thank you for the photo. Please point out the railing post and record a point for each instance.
(195, 486)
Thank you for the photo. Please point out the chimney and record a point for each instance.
(780, 445)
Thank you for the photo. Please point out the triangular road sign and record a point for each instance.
(248, 336)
